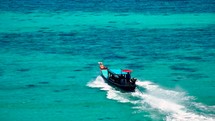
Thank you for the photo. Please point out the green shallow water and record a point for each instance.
(49, 71)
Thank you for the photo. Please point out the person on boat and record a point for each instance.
(102, 66)
(128, 76)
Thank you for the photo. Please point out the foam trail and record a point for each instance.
(155, 90)
(154, 98)
(111, 92)
(168, 101)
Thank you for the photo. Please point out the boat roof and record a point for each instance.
(117, 71)
(127, 70)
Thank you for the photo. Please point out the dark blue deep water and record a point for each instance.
(137, 6)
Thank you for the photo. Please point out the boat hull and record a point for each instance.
(129, 88)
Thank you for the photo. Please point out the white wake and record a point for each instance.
(168, 102)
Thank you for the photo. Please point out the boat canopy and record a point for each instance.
(127, 70)
(117, 71)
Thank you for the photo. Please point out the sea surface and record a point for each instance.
(49, 52)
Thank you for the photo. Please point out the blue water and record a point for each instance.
(49, 52)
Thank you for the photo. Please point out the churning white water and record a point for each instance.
(168, 102)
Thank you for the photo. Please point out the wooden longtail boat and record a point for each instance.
(118, 77)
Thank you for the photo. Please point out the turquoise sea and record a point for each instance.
(49, 52)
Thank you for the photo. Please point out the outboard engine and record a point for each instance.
(133, 80)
